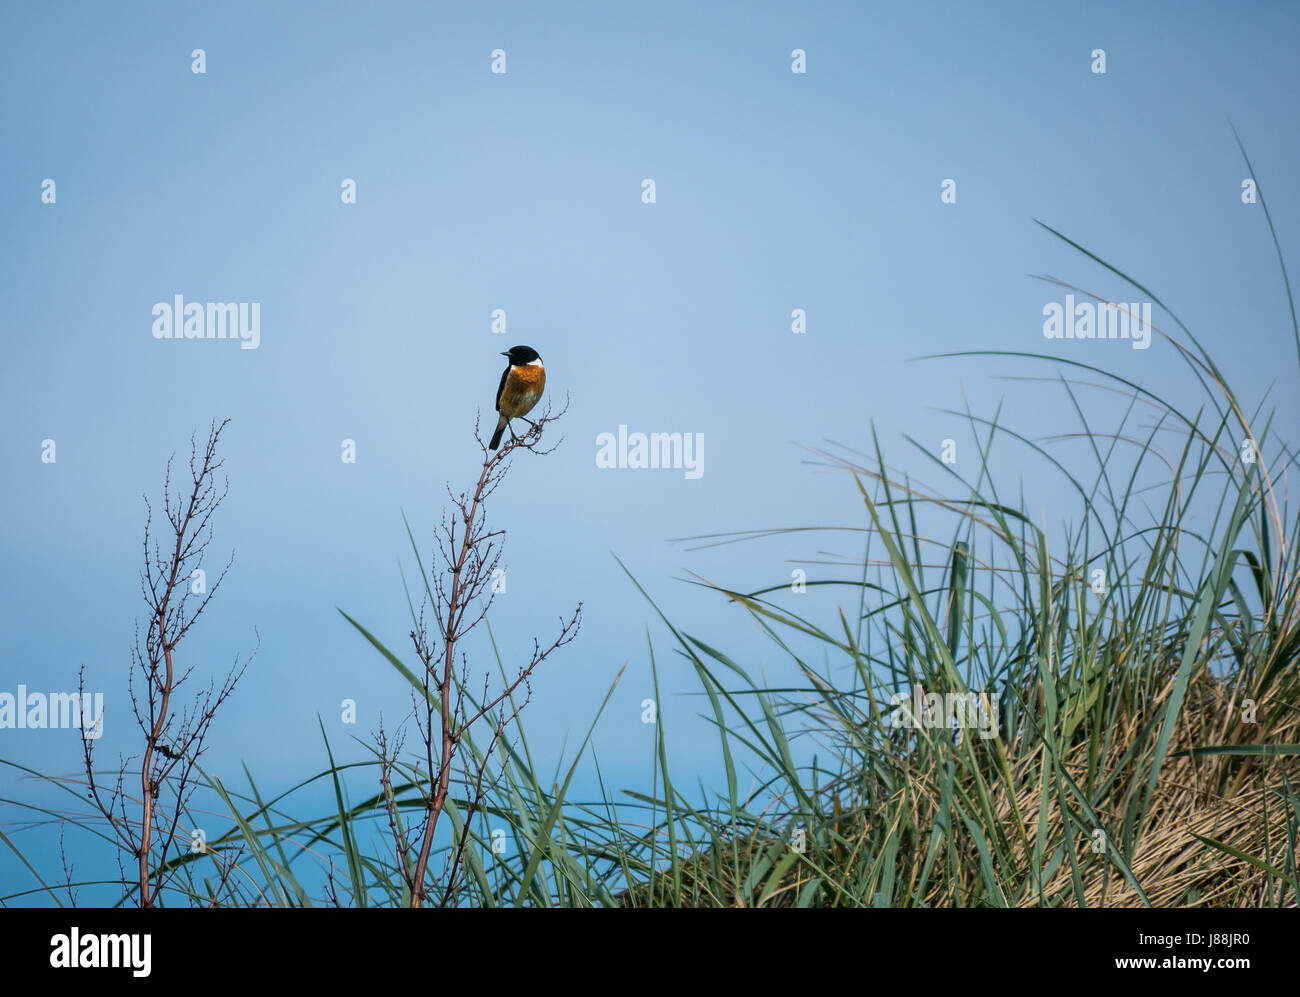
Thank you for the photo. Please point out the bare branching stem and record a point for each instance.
(172, 744)
(470, 554)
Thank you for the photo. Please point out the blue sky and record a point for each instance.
(479, 191)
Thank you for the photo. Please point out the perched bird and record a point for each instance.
(522, 383)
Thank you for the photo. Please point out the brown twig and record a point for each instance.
(172, 744)
(470, 553)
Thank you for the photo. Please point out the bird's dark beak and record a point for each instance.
(505, 353)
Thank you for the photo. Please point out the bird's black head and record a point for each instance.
(520, 355)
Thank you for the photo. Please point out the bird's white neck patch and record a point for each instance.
(531, 363)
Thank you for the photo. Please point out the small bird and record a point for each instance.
(522, 383)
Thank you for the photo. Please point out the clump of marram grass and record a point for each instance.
(1146, 672)
(1146, 751)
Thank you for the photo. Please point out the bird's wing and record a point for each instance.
(502, 386)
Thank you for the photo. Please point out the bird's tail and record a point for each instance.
(496, 437)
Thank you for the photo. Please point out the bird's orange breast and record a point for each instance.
(523, 389)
